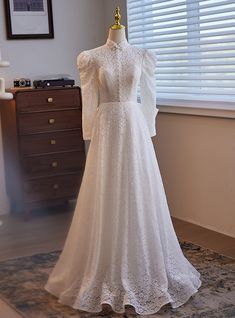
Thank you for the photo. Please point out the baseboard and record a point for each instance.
(208, 227)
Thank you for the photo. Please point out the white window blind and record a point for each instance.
(194, 41)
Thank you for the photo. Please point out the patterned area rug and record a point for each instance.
(22, 281)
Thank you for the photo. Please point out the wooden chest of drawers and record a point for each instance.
(44, 152)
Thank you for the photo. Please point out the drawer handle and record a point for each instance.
(54, 164)
(53, 141)
(50, 99)
(51, 121)
(55, 186)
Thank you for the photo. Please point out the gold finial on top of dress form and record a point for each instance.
(117, 25)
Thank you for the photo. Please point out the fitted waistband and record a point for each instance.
(119, 103)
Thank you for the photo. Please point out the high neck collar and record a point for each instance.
(114, 45)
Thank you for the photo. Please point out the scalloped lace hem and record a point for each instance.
(139, 309)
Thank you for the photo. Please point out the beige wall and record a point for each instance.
(196, 156)
(78, 25)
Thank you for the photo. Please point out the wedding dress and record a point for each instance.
(121, 247)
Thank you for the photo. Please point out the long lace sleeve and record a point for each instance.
(148, 91)
(89, 90)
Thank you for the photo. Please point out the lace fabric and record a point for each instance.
(112, 73)
(121, 247)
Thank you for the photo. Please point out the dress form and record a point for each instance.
(117, 30)
(117, 35)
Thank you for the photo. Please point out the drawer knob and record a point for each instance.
(50, 99)
(55, 186)
(53, 141)
(51, 121)
(54, 164)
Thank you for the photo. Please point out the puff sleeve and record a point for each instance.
(148, 91)
(89, 91)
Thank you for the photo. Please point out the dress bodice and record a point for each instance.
(112, 73)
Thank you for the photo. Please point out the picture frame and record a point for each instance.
(29, 19)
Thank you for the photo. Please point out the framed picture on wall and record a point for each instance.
(29, 19)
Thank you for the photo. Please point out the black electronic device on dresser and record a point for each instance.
(44, 153)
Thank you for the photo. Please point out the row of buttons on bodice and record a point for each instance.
(118, 59)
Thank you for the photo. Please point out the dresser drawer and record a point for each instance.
(51, 143)
(60, 163)
(46, 100)
(44, 150)
(52, 188)
(49, 121)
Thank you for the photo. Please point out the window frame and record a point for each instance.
(195, 106)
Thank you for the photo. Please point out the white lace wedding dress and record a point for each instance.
(121, 247)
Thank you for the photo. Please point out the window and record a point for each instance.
(194, 41)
